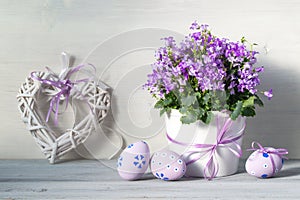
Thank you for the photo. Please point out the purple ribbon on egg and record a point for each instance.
(225, 139)
(63, 84)
(281, 152)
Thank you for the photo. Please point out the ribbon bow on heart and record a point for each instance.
(63, 85)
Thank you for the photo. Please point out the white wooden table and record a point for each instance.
(90, 179)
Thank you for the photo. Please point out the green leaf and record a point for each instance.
(200, 112)
(249, 102)
(183, 110)
(188, 118)
(188, 100)
(167, 101)
(243, 39)
(206, 98)
(162, 111)
(159, 104)
(198, 95)
(237, 110)
(209, 117)
(248, 111)
(259, 102)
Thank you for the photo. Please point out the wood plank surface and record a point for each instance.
(92, 179)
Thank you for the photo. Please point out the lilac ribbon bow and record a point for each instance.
(281, 152)
(223, 140)
(63, 84)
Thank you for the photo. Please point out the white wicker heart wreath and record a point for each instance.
(52, 144)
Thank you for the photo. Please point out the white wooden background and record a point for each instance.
(33, 33)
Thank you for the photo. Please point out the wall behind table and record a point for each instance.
(33, 33)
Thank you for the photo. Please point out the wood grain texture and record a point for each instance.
(90, 179)
(34, 33)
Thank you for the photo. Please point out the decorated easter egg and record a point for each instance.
(167, 165)
(134, 161)
(264, 164)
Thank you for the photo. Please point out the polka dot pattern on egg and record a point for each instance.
(167, 165)
(266, 155)
(265, 162)
(260, 164)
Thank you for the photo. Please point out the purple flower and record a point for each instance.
(170, 42)
(194, 26)
(196, 35)
(212, 63)
(204, 27)
(269, 94)
(259, 69)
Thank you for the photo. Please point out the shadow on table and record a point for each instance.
(241, 168)
(288, 172)
(149, 176)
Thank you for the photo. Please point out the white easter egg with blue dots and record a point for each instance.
(167, 165)
(260, 164)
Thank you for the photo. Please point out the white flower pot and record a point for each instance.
(200, 133)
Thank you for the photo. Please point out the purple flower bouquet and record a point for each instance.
(205, 73)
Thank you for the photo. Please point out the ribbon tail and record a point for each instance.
(224, 129)
(273, 165)
(211, 169)
(67, 102)
(282, 152)
(195, 159)
(54, 102)
(65, 60)
(236, 149)
(74, 70)
(82, 80)
(56, 110)
(50, 109)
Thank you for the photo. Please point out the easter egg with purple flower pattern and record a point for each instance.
(167, 165)
(134, 161)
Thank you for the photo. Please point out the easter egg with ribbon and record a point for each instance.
(265, 162)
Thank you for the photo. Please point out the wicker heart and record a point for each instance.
(52, 144)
